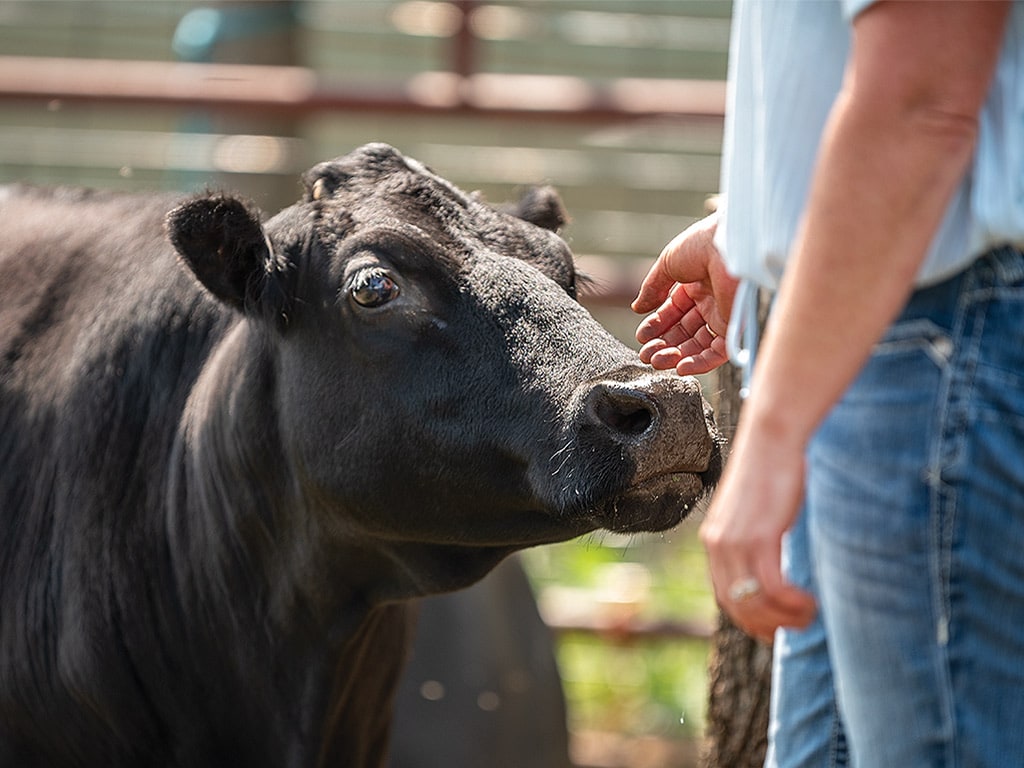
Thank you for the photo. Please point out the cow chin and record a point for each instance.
(659, 500)
(655, 504)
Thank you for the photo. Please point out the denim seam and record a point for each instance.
(838, 756)
(957, 382)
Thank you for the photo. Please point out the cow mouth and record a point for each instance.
(653, 504)
(660, 501)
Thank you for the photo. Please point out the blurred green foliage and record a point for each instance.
(655, 686)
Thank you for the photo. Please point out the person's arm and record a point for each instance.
(897, 143)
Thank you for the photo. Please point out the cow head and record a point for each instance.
(437, 388)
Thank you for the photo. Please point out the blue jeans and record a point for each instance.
(912, 538)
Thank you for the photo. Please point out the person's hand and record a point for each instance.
(689, 293)
(755, 504)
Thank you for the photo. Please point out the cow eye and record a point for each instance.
(373, 288)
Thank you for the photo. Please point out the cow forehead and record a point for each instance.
(403, 244)
(376, 186)
(379, 159)
(371, 188)
(374, 170)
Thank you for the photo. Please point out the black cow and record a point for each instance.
(225, 464)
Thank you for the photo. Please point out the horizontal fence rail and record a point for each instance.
(299, 91)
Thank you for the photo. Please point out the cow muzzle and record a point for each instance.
(661, 431)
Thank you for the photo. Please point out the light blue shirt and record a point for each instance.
(786, 65)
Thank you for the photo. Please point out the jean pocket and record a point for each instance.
(919, 335)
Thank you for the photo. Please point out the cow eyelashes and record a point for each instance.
(373, 287)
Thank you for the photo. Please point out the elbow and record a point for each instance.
(944, 119)
(927, 120)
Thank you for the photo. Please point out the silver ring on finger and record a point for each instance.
(742, 590)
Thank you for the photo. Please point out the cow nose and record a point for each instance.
(627, 413)
(660, 420)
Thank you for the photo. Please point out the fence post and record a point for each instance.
(739, 673)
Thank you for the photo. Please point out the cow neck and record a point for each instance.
(355, 731)
(239, 525)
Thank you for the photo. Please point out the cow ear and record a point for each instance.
(223, 243)
(541, 206)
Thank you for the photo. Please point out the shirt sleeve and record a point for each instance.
(851, 8)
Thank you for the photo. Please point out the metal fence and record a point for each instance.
(616, 103)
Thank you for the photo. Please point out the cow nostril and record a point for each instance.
(624, 412)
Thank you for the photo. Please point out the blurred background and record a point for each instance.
(617, 103)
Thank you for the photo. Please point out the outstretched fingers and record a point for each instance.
(676, 335)
(704, 361)
(685, 259)
(655, 287)
(676, 314)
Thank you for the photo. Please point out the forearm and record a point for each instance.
(897, 144)
(879, 194)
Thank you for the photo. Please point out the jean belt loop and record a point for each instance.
(1008, 263)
